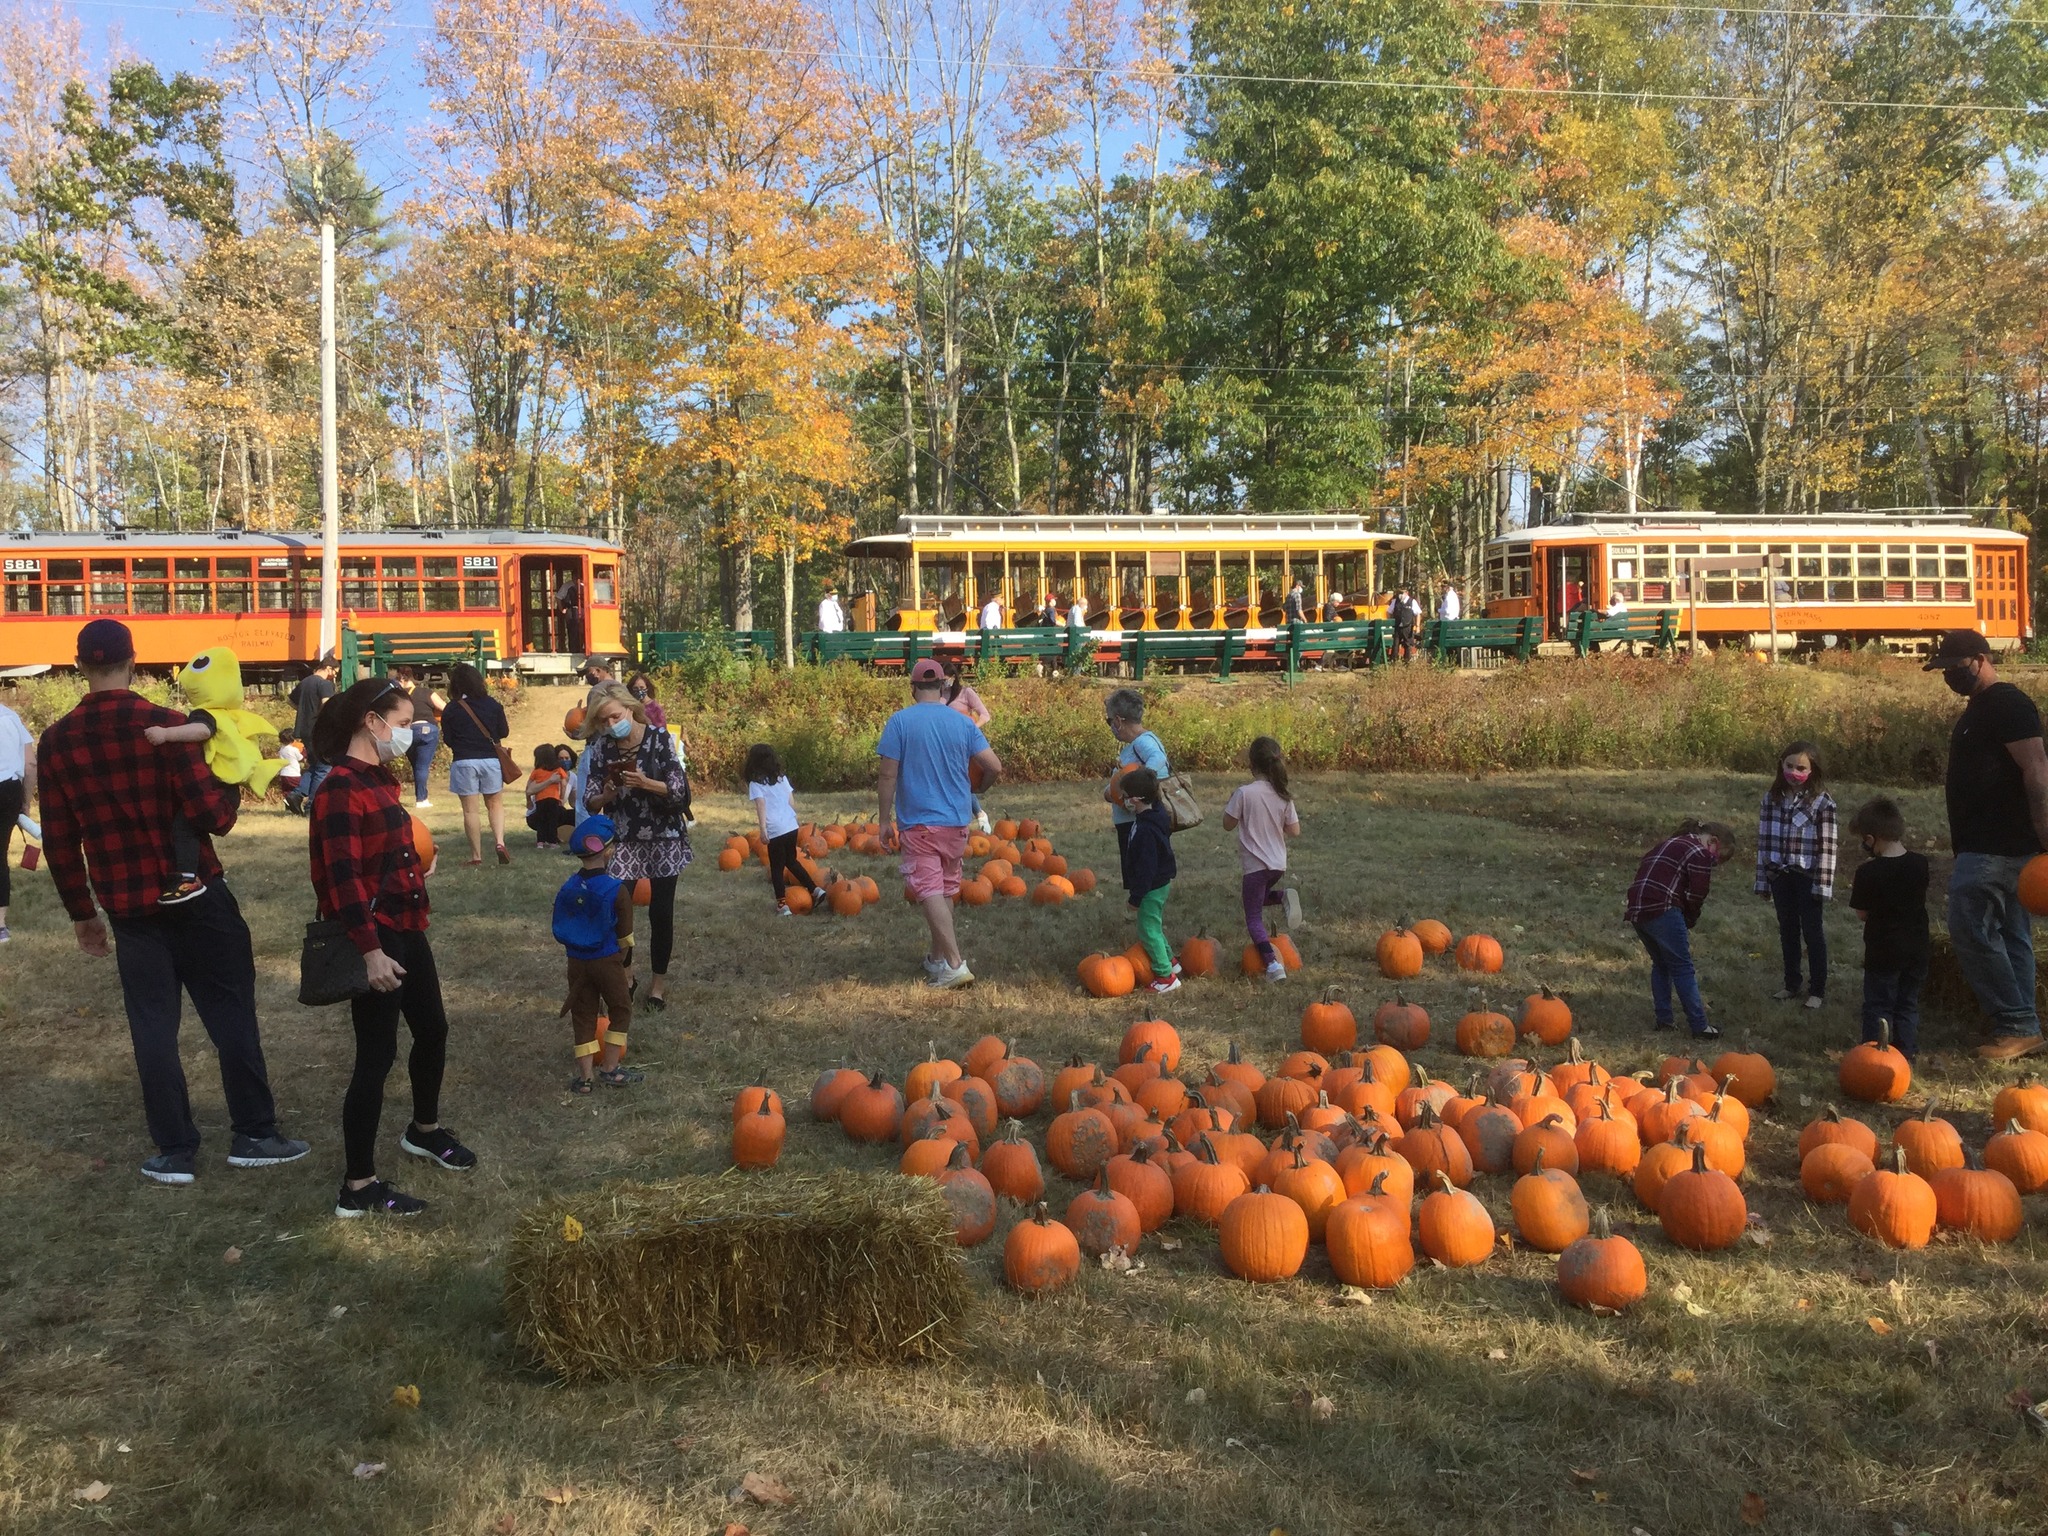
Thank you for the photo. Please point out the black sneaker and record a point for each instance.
(375, 1198)
(170, 1168)
(248, 1152)
(438, 1146)
(1663, 1024)
(1711, 1032)
(187, 888)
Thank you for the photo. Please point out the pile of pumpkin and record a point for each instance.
(1015, 848)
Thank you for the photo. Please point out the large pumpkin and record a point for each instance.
(1979, 1201)
(2021, 1155)
(1401, 1024)
(757, 1138)
(1485, 1033)
(872, 1112)
(1162, 1039)
(1894, 1205)
(1102, 1218)
(1399, 953)
(1701, 1208)
(1930, 1144)
(1263, 1236)
(1435, 937)
(1546, 1016)
(1040, 1254)
(1011, 1166)
(1200, 955)
(1327, 1025)
(1315, 1186)
(1550, 1212)
(1252, 963)
(1107, 976)
(1367, 1238)
(422, 842)
(1747, 1075)
(1602, 1270)
(1479, 952)
(1453, 1226)
(1831, 1171)
(1204, 1188)
(1875, 1072)
(2025, 1101)
(2034, 885)
(1081, 1140)
(1832, 1125)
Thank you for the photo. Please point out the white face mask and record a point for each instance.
(397, 744)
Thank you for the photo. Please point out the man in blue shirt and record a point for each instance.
(934, 759)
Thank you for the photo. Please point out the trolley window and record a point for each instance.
(604, 585)
(359, 583)
(232, 590)
(988, 579)
(1130, 580)
(151, 589)
(1095, 579)
(274, 583)
(1202, 582)
(443, 590)
(24, 586)
(1343, 573)
(64, 588)
(109, 592)
(401, 584)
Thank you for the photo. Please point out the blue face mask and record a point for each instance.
(621, 728)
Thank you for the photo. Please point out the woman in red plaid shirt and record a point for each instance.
(1664, 902)
(367, 876)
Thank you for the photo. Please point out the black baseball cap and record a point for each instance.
(1956, 647)
(105, 643)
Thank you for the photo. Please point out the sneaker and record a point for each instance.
(817, 896)
(1785, 995)
(249, 1152)
(376, 1198)
(1711, 1032)
(1663, 1024)
(2010, 1047)
(423, 805)
(947, 977)
(933, 965)
(783, 911)
(5, 936)
(1290, 900)
(438, 1146)
(170, 1168)
(1815, 1000)
(619, 1077)
(1277, 971)
(981, 824)
(1166, 984)
(188, 888)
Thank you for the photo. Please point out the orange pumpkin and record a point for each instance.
(1479, 952)
(1546, 1016)
(1327, 1025)
(1875, 1071)
(1435, 937)
(1199, 956)
(1399, 953)
(1252, 964)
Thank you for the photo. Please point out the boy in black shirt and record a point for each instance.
(1890, 895)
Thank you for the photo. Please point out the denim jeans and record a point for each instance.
(1894, 996)
(1800, 914)
(426, 741)
(1669, 943)
(1993, 939)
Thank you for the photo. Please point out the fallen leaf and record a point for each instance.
(232, 1256)
(1751, 1509)
(1933, 1348)
(1878, 1326)
(1196, 1397)
(562, 1495)
(1805, 1101)
(507, 1525)
(1169, 1245)
(336, 1314)
(365, 1470)
(1803, 1305)
(1681, 1292)
(1685, 1377)
(1600, 1495)
(1694, 1309)
(1506, 1240)
(1352, 1296)
(1585, 1475)
(572, 1230)
(734, 1528)
(763, 1489)
(1322, 1410)
(405, 1397)
(1496, 1354)
(93, 1492)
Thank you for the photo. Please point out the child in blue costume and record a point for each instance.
(594, 923)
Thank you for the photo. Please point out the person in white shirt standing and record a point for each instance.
(992, 613)
(831, 613)
(1449, 605)
(17, 796)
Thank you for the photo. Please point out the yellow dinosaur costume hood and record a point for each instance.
(212, 680)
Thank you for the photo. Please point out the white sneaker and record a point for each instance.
(1290, 901)
(948, 977)
(1165, 984)
(1813, 1001)
(784, 912)
(982, 825)
(932, 966)
(423, 805)
(1276, 972)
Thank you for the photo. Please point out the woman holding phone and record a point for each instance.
(635, 777)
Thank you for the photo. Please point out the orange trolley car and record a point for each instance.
(1833, 579)
(260, 593)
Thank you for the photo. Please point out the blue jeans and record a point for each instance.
(1800, 913)
(1993, 938)
(310, 780)
(1669, 943)
(1894, 996)
(426, 741)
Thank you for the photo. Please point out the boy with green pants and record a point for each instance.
(1149, 871)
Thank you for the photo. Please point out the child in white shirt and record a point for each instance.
(1263, 815)
(775, 812)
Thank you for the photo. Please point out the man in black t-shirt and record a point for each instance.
(1997, 820)
(312, 690)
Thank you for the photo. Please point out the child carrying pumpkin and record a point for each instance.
(1263, 815)
(1148, 870)
(1664, 902)
(775, 812)
(1795, 866)
(594, 923)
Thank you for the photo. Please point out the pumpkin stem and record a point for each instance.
(1898, 1160)
(1426, 1117)
(1551, 1119)
(1536, 1162)
(1322, 1099)
(1300, 1161)
(1884, 1034)
(1699, 1157)
(1205, 1149)
(764, 1110)
(2013, 1127)
(1039, 1215)
(1928, 1112)
(1074, 1102)
(1445, 1180)
(1603, 1228)
(933, 1093)
(1379, 1184)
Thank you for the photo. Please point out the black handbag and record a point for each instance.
(331, 968)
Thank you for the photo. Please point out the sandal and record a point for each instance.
(473, 863)
(579, 1084)
(619, 1077)
(504, 855)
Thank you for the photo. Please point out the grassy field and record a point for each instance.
(1847, 1388)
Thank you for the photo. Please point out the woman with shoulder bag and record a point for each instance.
(367, 877)
(636, 779)
(473, 725)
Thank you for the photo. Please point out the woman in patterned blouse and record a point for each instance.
(636, 778)
(368, 877)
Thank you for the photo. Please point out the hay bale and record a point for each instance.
(634, 1277)
(1947, 995)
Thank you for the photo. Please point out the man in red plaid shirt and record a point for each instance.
(108, 797)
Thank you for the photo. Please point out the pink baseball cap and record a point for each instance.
(927, 671)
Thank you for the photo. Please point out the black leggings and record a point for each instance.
(661, 922)
(784, 866)
(549, 819)
(13, 794)
(376, 1016)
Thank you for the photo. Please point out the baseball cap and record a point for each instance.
(1958, 645)
(593, 834)
(927, 671)
(104, 642)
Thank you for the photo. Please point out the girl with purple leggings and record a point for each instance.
(1263, 816)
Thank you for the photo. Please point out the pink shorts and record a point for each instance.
(931, 860)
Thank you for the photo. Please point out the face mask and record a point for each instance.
(1796, 776)
(621, 728)
(397, 744)
(639, 693)
(1960, 680)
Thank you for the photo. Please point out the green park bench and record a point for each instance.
(1443, 639)
(662, 648)
(1370, 638)
(1138, 649)
(1657, 629)
(870, 647)
(1060, 646)
(376, 655)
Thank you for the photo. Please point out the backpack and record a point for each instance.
(586, 915)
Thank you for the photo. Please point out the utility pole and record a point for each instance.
(330, 471)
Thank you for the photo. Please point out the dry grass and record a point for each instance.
(243, 1393)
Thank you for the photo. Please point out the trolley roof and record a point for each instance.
(935, 535)
(290, 539)
(1873, 525)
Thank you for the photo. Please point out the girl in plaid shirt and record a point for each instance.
(1795, 866)
(1664, 902)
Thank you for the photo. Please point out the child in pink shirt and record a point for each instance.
(1262, 814)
